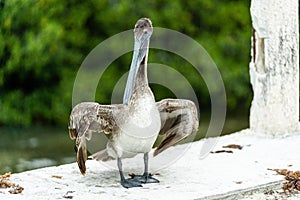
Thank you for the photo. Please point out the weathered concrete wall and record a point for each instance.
(274, 67)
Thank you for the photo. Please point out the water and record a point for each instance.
(24, 149)
(29, 148)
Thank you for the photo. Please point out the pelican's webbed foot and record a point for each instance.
(145, 178)
(129, 183)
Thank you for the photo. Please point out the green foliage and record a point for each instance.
(43, 42)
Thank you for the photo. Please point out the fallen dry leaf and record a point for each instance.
(233, 146)
(5, 183)
(16, 189)
(292, 177)
(6, 175)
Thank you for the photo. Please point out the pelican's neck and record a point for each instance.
(138, 72)
(141, 77)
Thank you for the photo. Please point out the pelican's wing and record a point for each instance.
(88, 117)
(179, 119)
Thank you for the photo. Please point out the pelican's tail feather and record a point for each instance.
(81, 158)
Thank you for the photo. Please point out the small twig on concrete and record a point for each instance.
(222, 151)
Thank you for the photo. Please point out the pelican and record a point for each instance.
(133, 127)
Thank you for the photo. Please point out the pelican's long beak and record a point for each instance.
(142, 32)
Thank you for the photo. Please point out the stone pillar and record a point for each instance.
(274, 66)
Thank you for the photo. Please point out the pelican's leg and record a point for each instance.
(146, 177)
(127, 183)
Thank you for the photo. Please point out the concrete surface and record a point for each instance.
(242, 174)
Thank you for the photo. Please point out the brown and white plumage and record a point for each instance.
(179, 119)
(90, 117)
(134, 125)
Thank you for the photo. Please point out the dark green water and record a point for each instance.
(23, 149)
(28, 148)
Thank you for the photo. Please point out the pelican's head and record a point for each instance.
(142, 32)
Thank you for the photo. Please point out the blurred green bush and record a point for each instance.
(43, 43)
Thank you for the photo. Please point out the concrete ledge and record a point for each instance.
(242, 174)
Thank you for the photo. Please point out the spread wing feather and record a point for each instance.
(86, 118)
(179, 119)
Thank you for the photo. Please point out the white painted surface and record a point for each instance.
(188, 178)
(274, 67)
